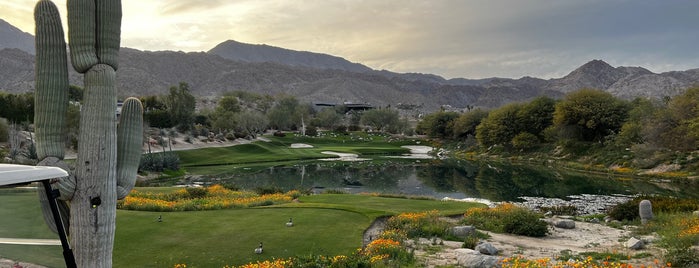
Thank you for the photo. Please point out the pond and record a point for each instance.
(447, 178)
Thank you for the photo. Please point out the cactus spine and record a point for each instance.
(645, 210)
(105, 162)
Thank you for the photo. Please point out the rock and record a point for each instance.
(645, 210)
(471, 258)
(487, 249)
(462, 231)
(634, 243)
(565, 224)
(594, 220)
(696, 213)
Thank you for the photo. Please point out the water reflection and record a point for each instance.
(447, 178)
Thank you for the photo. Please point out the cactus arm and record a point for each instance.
(108, 18)
(51, 104)
(51, 92)
(129, 145)
(81, 36)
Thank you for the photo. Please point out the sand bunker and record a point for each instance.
(343, 157)
(416, 152)
(300, 146)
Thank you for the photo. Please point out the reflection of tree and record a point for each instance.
(490, 180)
(449, 176)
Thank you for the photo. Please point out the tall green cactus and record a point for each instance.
(106, 165)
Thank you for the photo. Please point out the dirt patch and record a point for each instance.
(585, 237)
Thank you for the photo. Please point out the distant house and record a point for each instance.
(348, 106)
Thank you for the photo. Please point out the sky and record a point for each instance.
(450, 38)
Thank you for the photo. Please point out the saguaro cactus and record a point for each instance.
(107, 162)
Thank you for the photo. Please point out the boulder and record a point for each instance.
(634, 243)
(487, 249)
(462, 231)
(565, 224)
(474, 259)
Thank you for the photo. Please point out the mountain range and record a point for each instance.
(315, 77)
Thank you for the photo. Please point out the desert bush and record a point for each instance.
(507, 218)
(682, 257)
(159, 162)
(196, 192)
(629, 210)
(4, 130)
(419, 224)
(625, 211)
(311, 131)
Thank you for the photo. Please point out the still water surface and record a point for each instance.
(448, 178)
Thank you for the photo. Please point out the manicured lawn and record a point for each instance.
(324, 224)
(20, 217)
(279, 150)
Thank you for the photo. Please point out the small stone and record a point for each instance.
(594, 220)
(487, 249)
(634, 243)
(463, 231)
(565, 224)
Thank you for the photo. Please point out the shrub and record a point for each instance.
(196, 192)
(159, 162)
(507, 218)
(525, 141)
(311, 131)
(682, 257)
(625, 211)
(629, 210)
(4, 130)
(420, 224)
(279, 134)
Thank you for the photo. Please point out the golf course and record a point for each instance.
(324, 224)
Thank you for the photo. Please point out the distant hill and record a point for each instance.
(237, 51)
(12, 37)
(314, 77)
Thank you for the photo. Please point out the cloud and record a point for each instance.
(453, 38)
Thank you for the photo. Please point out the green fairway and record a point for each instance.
(278, 149)
(328, 224)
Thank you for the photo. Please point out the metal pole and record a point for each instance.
(67, 251)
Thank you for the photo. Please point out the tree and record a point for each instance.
(251, 122)
(537, 115)
(380, 119)
(677, 126)
(640, 115)
(500, 126)
(590, 115)
(228, 103)
(327, 118)
(286, 114)
(466, 124)
(180, 106)
(438, 125)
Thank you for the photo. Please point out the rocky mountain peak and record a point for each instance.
(237, 51)
(12, 37)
